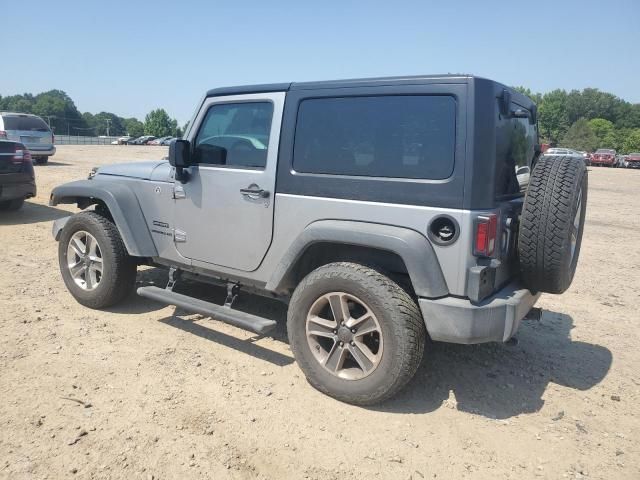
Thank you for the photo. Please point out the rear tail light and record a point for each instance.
(3, 134)
(21, 155)
(53, 138)
(485, 239)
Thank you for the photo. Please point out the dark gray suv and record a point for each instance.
(381, 210)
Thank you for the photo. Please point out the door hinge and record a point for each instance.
(179, 236)
(178, 192)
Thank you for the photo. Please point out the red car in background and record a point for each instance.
(605, 157)
(632, 160)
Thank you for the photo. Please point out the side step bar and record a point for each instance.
(228, 315)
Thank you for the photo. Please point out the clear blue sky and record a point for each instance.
(130, 57)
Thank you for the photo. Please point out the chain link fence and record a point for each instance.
(82, 140)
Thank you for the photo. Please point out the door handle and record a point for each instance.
(255, 191)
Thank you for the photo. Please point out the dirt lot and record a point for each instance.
(144, 391)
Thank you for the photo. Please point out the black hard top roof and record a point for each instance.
(355, 82)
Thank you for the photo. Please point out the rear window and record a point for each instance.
(25, 123)
(382, 136)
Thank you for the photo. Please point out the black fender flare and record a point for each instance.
(119, 198)
(414, 248)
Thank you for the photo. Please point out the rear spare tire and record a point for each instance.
(551, 224)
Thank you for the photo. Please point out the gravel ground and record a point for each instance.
(145, 391)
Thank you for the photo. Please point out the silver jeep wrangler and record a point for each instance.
(381, 210)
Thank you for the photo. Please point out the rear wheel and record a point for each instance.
(552, 224)
(94, 262)
(12, 205)
(356, 334)
(41, 160)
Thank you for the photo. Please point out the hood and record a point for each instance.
(142, 170)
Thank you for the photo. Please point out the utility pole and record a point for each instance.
(108, 122)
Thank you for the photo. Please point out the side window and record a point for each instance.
(515, 148)
(235, 134)
(383, 136)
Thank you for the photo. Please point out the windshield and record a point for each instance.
(33, 124)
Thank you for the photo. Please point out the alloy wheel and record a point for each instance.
(84, 260)
(344, 335)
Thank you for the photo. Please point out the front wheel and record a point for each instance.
(94, 262)
(356, 334)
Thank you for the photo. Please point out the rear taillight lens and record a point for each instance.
(485, 240)
(21, 155)
(53, 138)
(3, 134)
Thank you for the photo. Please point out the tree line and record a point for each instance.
(62, 115)
(587, 120)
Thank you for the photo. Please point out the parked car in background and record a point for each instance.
(17, 178)
(605, 157)
(585, 156)
(29, 130)
(167, 141)
(122, 140)
(563, 152)
(142, 140)
(632, 160)
(158, 141)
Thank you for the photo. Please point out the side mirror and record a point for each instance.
(180, 157)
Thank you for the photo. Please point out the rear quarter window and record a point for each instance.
(399, 136)
(33, 124)
(516, 139)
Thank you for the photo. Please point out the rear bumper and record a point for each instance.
(495, 319)
(13, 191)
(47, 152)
(633, 164)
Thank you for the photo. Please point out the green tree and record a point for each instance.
(108, 124)
(158, 123)
(134, 127)
(632, 141)
(58, 108)
(18, 103)
(604, 132)
(580, 136)
(552, 117)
